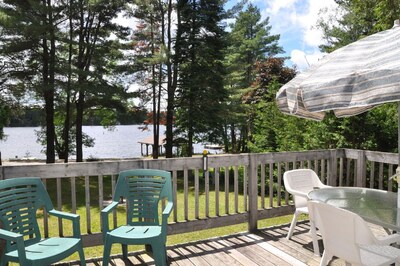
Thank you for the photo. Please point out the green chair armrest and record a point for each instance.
(19, 239)
(75, 218)
(168, 208)
(109, 208)
(8, 235)
(64, 215)
(165, 214)
(104, 217)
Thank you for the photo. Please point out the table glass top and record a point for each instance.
(373, 205)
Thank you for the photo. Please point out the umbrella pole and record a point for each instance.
(398, 151)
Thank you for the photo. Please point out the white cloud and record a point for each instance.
(304, 60)
(308, 20)
(295, 21)
(277, 5)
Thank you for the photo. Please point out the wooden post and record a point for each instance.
(332, 169)
(253, 193)
(361, 169)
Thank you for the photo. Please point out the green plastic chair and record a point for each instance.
(20, 199)
(143, 189)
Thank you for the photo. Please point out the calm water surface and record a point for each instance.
(122, 142)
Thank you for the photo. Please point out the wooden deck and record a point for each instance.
(268, 246)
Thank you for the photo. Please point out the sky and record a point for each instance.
(295, 21)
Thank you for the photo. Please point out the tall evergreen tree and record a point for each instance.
(200, 93)
(151, 56)
(249, 40)
(62, 51)
(29, 36)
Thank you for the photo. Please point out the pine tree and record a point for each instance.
(61, 52)
(249, 40)
(200, 93)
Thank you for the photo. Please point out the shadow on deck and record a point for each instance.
(267, 246)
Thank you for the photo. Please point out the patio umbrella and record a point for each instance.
(348, 81)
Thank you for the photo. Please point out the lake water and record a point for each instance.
(122, 142)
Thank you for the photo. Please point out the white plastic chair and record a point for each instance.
(299, 183)
(347, 236)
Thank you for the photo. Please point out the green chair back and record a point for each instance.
(20, 199)
(143, 189)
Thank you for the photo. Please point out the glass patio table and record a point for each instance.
(375, 206)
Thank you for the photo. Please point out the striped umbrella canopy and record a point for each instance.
(348, 81)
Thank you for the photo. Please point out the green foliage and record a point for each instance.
(201, 93)
(62, 53)
(249, 40)
(355, 19)
(4, 114)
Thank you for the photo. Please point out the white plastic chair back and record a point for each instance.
(343, 232)
(299, 183)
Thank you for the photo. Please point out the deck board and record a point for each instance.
(267, 246)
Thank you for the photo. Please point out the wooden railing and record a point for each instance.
(233, 189)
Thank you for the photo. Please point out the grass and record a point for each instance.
(95, 252)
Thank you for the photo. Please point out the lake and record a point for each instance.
(121, 142)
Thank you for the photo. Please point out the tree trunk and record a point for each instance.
(79, 122)
(48, 82)
(172, 79)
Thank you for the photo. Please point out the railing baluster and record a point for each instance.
(390, 173)
(380, 175)
(87, 204)
(245, 180)
(340, 172)
(216, 181)
(279, 184)
(59, 206)
(227, 190)
(196, 194)
(286, 169)
(348, 170)
(271, 185)
(236, 188)
(186, 194)
(101, 195)
(207, 191)
(73, 194)
(175, 189)
(372, 175)
(262, 192)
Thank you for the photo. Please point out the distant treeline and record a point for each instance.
(34, 117)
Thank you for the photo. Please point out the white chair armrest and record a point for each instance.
(389, 239)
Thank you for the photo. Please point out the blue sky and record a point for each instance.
(295, 21)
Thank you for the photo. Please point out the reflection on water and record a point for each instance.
(122, 142)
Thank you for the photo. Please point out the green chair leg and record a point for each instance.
(82, 256)
(159, 254)
(124, 251)
(106, 252)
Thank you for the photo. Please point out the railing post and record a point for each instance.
(361, 169)
(1, 172)
(253, 193)
(332, 167)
